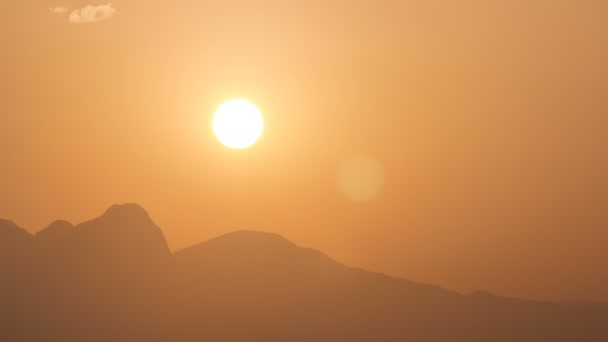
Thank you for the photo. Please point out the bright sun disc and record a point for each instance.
(238, 124)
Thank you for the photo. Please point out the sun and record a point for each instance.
(238, 124)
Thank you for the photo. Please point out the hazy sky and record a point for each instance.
(489, 118)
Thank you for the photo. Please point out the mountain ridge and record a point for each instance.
(133, 212)
(118, 272)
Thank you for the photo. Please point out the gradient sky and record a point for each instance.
(490, 119)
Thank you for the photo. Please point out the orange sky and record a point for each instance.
(490, 120)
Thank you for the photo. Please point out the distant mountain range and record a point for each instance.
(115, 279)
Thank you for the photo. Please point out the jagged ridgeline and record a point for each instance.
(115, 279)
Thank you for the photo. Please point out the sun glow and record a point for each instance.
(238, 124)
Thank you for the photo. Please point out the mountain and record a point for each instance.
(16, 248)
(15, 245)
(16, 253)
(114, 279)
(259, 286)
(91, 279)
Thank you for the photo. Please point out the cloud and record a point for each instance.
(92, 14)
(58, 10)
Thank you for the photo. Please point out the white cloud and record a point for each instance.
(58, 10)
(92, 14)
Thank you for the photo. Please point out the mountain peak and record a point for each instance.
(252, 236)
(253, 251)
(57, 229)
(10, 231)
(245, 242)
(125, 215)
(120, 228)
(125, 211)
(13, 239)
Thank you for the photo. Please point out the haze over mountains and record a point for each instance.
(115, 279)
(489, 118)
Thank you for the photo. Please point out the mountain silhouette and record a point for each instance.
(114, 279)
